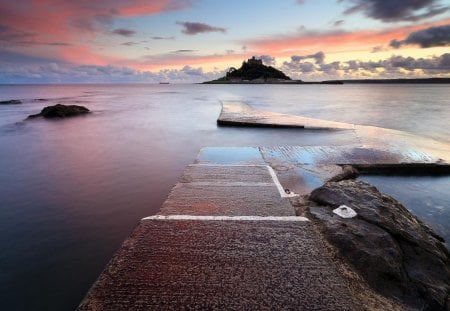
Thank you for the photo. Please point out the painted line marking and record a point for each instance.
(226, 218)
(280, 188)
(231, 183)
(272, 173)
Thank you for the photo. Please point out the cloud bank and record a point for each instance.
(194, 28)
(397, 10)
(430, 37)
(393, 67)
(305, 67)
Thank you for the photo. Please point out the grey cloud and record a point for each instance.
(330, 68)
(53, 72)
(438, 64)
(297, 67)
(378, 48)
(397, 10)
(16, 37)
(58, 44)
(124, 32)
(318, 57)
(192, 71)
(267, 59)
(338, 23)
(130, 43)
(430, 37)
(10, 36)
(184, 51)
(163, 38)
(393, 67)
(194, 28)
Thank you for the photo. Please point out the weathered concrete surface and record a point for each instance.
(230, 265)
(301, 169)
(368, 137)
(227, 190)
(237, 113)
(396, 253)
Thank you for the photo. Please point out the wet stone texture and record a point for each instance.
(396, 253)
(215, 265)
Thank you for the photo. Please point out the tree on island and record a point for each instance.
(253, 69)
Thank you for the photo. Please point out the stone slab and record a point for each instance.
(216, 265)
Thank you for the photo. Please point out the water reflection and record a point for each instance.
(71, 191)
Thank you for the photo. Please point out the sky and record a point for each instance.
(112, 41)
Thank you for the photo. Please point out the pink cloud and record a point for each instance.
(334, 40)
(66, 22)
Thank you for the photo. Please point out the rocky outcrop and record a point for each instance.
(60, 111)
(10, 102)
(348, 172)
(252, 70)
(395, 252)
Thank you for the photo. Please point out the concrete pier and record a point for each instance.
(228, 236)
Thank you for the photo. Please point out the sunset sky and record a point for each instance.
(62, 41)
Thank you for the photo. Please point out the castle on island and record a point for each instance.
(253, 71)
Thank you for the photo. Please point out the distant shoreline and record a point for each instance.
(338, 82)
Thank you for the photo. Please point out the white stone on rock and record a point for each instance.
(345, 212)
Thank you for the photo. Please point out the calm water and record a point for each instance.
(71, 191)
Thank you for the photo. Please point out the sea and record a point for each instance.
(72, 190)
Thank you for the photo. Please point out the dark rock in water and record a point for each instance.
(10, 102)
(348, 172)
(396, 253)
(60, 111)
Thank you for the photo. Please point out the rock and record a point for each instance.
(348, 172)
(10, 102)
(60, 111)
(395, 252)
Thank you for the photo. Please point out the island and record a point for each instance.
(253, 71)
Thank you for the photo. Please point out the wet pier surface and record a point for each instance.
(228, 236)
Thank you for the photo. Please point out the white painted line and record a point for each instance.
(283, 193)
(226, 218)
(272, 173)
(232, 165)
(231, 183)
